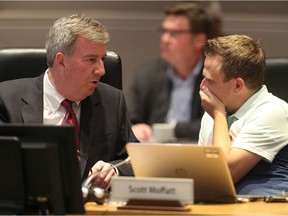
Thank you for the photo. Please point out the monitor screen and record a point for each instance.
(48, 175)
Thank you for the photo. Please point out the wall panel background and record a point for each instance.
(133, 25)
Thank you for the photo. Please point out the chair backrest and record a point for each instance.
(18, 63)
(276, 77)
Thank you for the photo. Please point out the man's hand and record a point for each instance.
(211, 103)
(143, 132)
(216, 109)
(104, 179)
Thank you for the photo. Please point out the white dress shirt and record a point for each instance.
(53, 112)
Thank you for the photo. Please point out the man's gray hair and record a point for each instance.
(63, 33)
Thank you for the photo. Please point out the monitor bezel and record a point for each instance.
(64, 138)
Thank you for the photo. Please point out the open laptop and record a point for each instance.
(206, 165)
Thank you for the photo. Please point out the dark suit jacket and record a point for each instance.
(104, 125)
(148, 99)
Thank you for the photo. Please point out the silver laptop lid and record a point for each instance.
(205, 164)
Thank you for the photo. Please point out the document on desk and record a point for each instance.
(127, 188)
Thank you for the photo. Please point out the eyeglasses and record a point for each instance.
(175, 33)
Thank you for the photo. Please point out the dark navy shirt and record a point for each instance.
(267, 178)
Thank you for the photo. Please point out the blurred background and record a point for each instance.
(133, 25)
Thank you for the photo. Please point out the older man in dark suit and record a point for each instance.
(76, 48)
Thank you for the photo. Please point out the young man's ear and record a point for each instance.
(238, 84)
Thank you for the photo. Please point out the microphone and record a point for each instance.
(99, 195)
(88, 181)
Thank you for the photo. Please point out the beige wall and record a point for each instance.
(133, 25)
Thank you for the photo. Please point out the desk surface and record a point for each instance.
(250, 208)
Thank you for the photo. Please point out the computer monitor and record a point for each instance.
(49, 169)
(11, 183)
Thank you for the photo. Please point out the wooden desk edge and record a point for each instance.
(250, 208)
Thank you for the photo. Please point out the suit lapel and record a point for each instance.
(196, 102)
(32, 103)
(164, 98)
(87, 122)
(161, 95)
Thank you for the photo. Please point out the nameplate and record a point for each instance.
(127, 188)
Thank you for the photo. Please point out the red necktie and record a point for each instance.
(70, 119)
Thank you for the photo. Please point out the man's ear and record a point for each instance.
(59, 59)
(238, 84)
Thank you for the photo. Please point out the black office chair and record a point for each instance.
(18, 63)
(276, 77)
